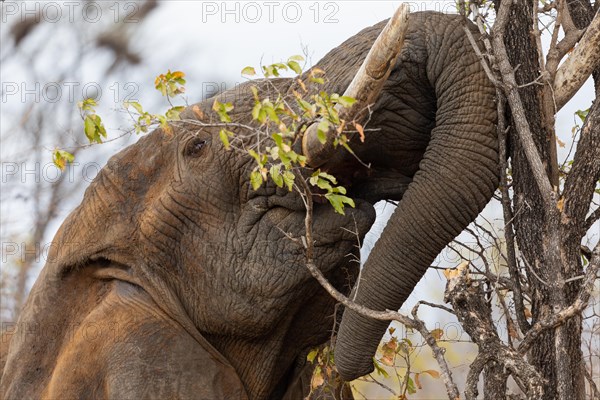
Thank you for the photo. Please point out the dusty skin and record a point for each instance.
(173, 279)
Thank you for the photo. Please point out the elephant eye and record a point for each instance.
(194, 147)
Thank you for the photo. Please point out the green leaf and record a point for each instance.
(222, 109)
(256, 156)
(99, 125)
(340, 190)
(410, 386)
(307, 107)
(256, 179)
(278, 140)
(323, 184)
(288, 179)
(322, 130)
(254, 90)
(249, 71)
(276, 175)
(379, 369)
(327, 176)
(224, 134)
(93, 128)
(136, 105)
(256, 111)
(173, 113)
(61, 158)
(296, 58)
(294, 66)
(338, 201)
(270, 111)
(582, 114)
(87, 104)
(346, 101)
(89, 127)
(162, 120)
(312, 355)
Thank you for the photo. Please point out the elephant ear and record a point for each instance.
(106, 223)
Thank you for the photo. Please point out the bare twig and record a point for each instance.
(591, 220)
(388, 315)
(474, 315)
(558, 319)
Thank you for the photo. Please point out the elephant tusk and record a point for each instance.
(365, 87)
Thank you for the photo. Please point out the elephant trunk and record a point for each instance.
(456, 178)
(365, 88)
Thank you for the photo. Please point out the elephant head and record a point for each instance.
(172, 229)
(175, 215)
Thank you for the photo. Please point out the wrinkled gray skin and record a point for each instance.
(174, 279)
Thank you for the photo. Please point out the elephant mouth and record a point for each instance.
(329, 227)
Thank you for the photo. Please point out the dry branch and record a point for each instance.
(388, 315)
(585, 172)
(518, 111)
(475, 316)
(365, 87)
(576, 69)
(573, 310)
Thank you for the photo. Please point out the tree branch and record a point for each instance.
(574, 309)
(475, 316)
(510, 88)
(388, 315)
(576, 69)
(585, 172)
(591, 220)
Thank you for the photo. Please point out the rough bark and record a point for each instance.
(577, 68)
(475, 316)
(582, 14)
(550, 249)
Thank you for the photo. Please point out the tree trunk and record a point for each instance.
(530, 218)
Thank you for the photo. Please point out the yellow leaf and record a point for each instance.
(561, 144)
(455, 272)
(361, 131)
(302, 85)
(317, 379)
(417, 381)
(198, 112)
(560, 204)
(389, 351)
(437, 334)
(312, 355)
(512, 332)
(178, 74)
(249, 71)
(341, 127)
(432, 372)
(451, 273)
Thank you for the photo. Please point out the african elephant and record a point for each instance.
(173, 278)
